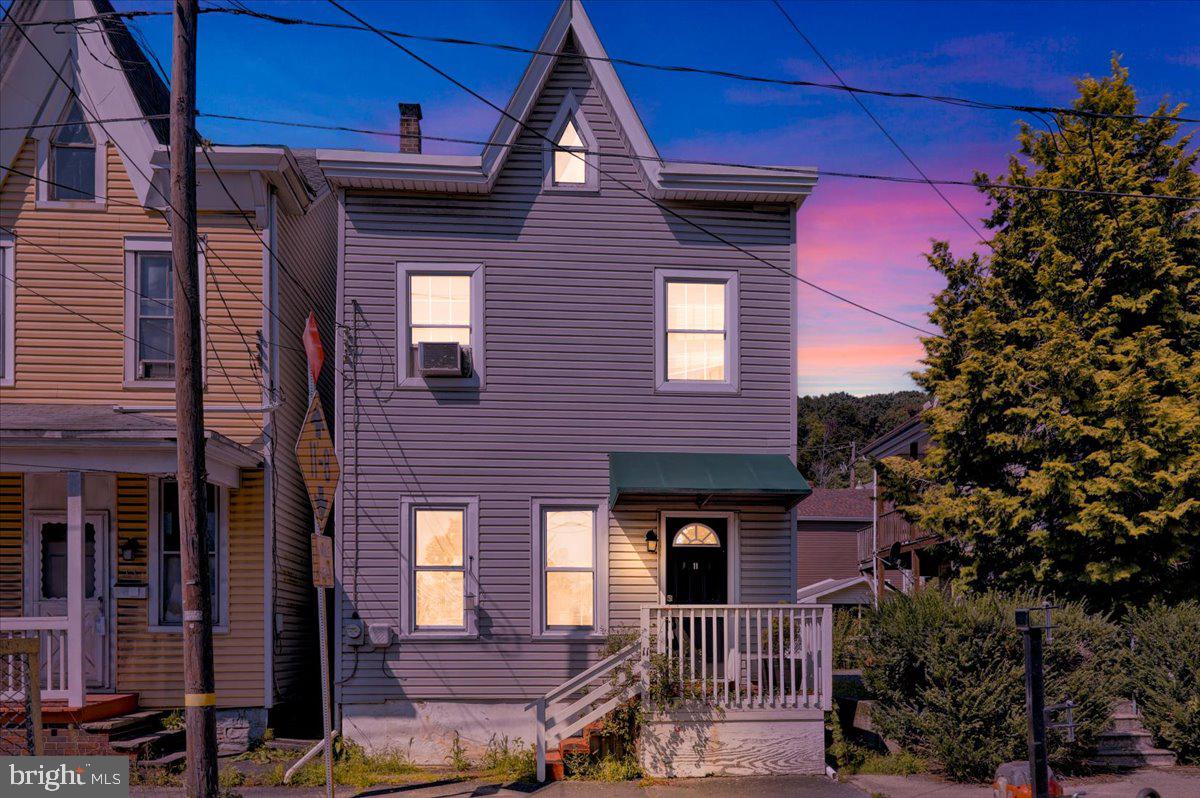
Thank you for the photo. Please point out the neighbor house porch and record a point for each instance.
(90, 542)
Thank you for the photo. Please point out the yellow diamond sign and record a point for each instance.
(318, 462)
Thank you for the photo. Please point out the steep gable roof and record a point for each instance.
(152, 94)
(477, 174)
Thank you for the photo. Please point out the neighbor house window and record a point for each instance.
(150, 284)
(569, 562)
(72, 158)
(571, 159)
(168, 557)
(696, 331)
(439, 303)
(155, 326)
(438, 552)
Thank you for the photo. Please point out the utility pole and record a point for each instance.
(199, 697)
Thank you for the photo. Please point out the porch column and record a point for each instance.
(75, 588)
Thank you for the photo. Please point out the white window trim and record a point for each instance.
(98, 202)
(599, 628)
(571, 108)
(221, 600)
(479, 368)
(134, 245)
(733, 545)
(731, 384)
(407, 610)
(8, 274)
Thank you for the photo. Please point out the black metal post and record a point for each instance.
(1035, 705)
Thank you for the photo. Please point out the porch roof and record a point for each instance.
(702, 474)
(74, 437)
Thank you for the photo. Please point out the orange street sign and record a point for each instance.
(318, 462)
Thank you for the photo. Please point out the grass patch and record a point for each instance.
(582, 767)
(510, 760)
(900, 763)
(354, 767)
(154, 777)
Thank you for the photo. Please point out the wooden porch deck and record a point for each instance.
(97, 706)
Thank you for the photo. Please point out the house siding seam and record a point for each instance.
(570, 376)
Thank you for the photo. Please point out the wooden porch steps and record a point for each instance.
(96, 707)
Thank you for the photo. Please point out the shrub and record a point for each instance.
(510, 760)
(847, 639)
(948, 677)
(1164, 669)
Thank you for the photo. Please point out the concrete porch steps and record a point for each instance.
(1127, 744)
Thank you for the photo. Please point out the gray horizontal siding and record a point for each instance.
(568, 306)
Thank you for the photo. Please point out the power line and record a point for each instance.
(961, 102)
(735, 164)
(634, 189)
(879, 125)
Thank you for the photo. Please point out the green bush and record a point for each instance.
(847, 638)
(947, 674)
(1164, 669)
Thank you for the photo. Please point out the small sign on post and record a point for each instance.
(322, 561)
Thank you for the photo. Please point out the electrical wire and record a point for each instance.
(858, 101)
(977, 184)
(961, 102)
(690, 222)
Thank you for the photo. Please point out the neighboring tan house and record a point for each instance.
(89, 543)
(828, 523)
(892, 546)
(567, 411)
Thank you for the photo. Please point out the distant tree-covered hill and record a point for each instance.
(835, 426)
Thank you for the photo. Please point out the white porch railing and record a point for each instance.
(748, 656)
(53, 668)
(735, 657)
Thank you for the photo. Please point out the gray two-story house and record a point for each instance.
(567, 402)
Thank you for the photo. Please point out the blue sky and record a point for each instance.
(864, 239)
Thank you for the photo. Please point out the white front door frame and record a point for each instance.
(733, 572)
(35, 606)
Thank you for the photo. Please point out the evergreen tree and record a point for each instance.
(1066, 427)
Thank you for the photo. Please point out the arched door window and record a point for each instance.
(696, 535)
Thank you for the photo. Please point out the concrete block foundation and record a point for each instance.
(424, 730)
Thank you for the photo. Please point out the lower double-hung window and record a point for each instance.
(438, 548)
(569, 553)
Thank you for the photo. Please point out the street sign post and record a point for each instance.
(318, 463)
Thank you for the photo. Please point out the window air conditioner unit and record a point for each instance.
(443, 359)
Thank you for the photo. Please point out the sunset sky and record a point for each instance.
(864, 239)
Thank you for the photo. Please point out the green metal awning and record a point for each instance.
(771, 477)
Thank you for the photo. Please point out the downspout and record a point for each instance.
(270, 372)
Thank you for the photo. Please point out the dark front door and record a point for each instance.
(697, 560)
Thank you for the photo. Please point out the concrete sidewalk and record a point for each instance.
(756, 786)
(1178, 782)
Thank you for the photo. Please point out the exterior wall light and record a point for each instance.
(130, 549)
(652, 541)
